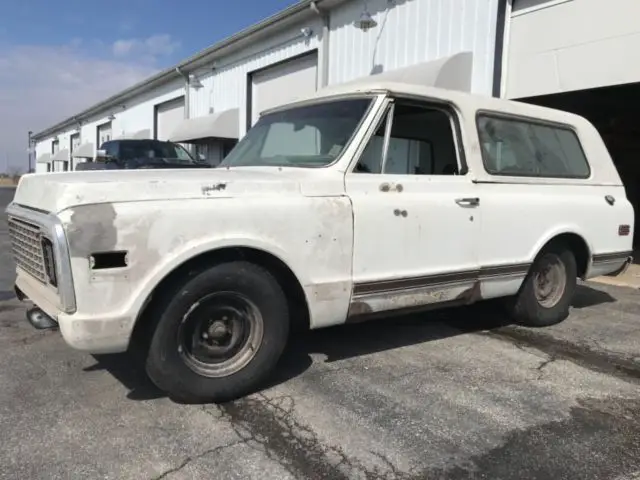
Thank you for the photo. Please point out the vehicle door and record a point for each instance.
(416, 212)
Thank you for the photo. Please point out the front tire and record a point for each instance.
(545, 296)
(220, 334)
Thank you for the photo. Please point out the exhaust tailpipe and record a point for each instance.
(40, 320)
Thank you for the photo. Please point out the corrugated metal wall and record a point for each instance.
(140, 115)
(411, 32)
(226, 86)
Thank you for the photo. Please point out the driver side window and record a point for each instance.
(421, 142)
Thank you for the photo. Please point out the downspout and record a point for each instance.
(502, 18)
(187, 102)
(186, 92)
(324, 60)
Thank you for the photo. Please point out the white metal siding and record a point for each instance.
(169, 116)
(139, 113)
(413, 32)
(226, 87)
(564, 45)
(283, 83)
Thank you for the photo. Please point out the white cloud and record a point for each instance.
(153, 46)
(122, 48)
(41, 85)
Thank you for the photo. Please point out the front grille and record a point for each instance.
(26, 243)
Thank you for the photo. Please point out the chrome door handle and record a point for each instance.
(468, 202)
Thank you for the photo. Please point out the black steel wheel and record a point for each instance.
(545, 296)
(219, 335)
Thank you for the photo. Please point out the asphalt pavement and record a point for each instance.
(454, 394)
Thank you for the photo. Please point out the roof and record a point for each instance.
(603, 171)
(372, 85)
(292, 14)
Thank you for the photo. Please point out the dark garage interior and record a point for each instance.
(615, 113)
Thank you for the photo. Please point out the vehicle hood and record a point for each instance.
(55, 192)
(140, 164)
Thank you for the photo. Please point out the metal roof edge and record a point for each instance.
(171, 73)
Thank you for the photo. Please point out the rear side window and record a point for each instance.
(522, 148)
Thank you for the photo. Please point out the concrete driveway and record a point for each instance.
(449, 395)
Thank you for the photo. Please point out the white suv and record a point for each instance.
(366, 199)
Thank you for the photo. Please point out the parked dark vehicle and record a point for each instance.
(136, 154)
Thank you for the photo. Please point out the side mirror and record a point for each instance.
(202, 157)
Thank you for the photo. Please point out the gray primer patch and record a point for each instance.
(92, 229)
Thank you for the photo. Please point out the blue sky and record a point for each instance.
(57, 57)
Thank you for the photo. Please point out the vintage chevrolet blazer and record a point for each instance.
(365, 199)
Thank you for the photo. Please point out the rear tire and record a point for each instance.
(220, 334)
(545, 296)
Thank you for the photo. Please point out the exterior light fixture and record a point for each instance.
(194, 82)
(366, 21)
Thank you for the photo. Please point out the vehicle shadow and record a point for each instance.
(586, 296)
(352, 340)
(7, 295)
(129, 371)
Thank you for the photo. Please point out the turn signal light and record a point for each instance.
(623, 230)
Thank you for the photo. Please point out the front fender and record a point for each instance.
(193, 249)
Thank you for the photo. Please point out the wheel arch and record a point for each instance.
(276, 266)
(576, 242)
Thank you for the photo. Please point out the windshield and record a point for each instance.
(141, 150)
(308, 136)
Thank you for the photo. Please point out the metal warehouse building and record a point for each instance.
(212, 98)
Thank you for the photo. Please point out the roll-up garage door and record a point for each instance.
(75, 143)
(104, 133)
(285, 82)
(168, 116)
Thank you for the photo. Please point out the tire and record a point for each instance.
(531, 307)
(235, 311)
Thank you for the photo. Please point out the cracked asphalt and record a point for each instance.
(455, 394)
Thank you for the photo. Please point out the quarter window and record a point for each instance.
(521, 148)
